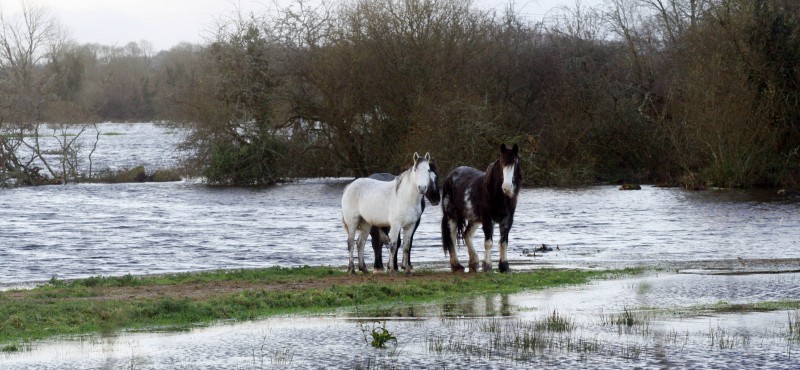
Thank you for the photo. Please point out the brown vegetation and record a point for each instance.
(692, 92)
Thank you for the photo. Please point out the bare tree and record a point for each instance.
(27, 40)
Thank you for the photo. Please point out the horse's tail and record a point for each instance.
(346, 229)
(447, 213)
(459, 231)
(447, 241)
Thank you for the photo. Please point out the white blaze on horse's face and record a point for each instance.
(422, 171)
(508, 179)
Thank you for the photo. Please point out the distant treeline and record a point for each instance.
(680, 92)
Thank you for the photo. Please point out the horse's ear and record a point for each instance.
(503, 148)
(428, 156)
(416, 157)
(515, 149)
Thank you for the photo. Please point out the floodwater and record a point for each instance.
(491, 331)
(718, 245)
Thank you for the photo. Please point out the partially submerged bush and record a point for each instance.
(136, 174)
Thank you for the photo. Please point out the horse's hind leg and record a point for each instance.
(362, 240)
(351, 234)
(448, 242)
(377, 247)
(473, 257)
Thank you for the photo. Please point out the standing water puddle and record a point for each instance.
(640, 322)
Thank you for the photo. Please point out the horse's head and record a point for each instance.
(433, 194)
(421, 172)
(512, 174)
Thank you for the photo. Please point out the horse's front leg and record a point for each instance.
(411, 240)
(407, 230)
(488, 230)
(505, 227)
(394, 233)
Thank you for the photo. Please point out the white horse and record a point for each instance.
(395, 204)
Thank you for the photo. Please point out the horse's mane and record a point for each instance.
(487, 177)
(399, 180)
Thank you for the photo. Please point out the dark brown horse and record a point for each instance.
(378, 235)
(471, 197)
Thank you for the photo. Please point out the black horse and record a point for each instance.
(379, 235)
(471, 197)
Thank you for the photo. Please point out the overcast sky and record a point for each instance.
(165, 23)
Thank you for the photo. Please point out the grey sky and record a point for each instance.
(165, 23)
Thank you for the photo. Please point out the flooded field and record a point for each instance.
(653, 321)
(714, 246)
(84, 230)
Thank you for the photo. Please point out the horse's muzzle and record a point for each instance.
(422, 189)
(508, 190)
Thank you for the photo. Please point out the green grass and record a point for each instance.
(69, 308)
(267, 275)
(725, 307)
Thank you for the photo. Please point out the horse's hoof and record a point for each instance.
(351, 272)
(408, 272)
(457, 268)
(486, 267)
(363, 269)
(473, 267)
(378, 270)
(504, 266)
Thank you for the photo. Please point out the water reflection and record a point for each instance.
(488, 305)
(572, 327)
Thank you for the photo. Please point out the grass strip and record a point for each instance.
(723, 307)
(88, 305)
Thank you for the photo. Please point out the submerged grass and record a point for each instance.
(725, 307)
(79, 307)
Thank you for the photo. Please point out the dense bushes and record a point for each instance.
(677, 92)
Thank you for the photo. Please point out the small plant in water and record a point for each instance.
(626, 318)
(628, 321)
(380, 335)
(555, 323)
(722, 339)
(10, 348)
(794, 325)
